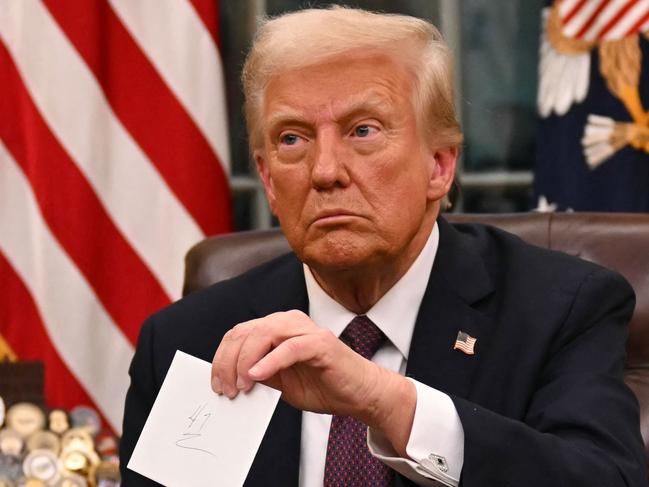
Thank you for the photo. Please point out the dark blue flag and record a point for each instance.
(593, 141)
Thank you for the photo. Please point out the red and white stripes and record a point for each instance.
(113, 162)
(603, 20)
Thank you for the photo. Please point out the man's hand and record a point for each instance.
(315, 371)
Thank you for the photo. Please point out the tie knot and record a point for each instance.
(363, 336)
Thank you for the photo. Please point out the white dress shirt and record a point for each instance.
(436, 444)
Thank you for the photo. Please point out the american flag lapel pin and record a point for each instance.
(465, 343)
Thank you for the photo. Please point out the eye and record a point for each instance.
(364, 130)
(289, 139)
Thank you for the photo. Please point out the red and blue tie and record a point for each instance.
(349, 462)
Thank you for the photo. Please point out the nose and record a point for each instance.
(329, 169)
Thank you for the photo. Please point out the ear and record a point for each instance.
(264, 174)
(442, 172)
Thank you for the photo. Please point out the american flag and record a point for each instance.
(465, 343)
(602, 20)
(113, 162)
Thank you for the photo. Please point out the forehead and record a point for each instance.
(339, 85)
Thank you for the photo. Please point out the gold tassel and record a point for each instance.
(637, 136)
(6, 353)
(603, 137)
(620, 65)
(563, 44)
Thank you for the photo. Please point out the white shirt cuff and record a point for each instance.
(436, 444)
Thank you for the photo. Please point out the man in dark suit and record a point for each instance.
(461, 356)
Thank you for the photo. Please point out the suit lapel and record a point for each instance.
(280, 289)
(457, 282)
(277, 462)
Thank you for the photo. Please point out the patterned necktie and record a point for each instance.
(349, 461)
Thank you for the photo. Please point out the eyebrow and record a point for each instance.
(284, 116)
(371, 101)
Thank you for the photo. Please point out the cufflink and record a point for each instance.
(439, 462)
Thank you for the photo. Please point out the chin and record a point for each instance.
(337, 251)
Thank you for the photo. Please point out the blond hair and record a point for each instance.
(307, 37)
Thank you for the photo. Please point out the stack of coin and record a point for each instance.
(57, 450)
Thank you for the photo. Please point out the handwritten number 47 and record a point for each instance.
(196, 414)
(189, 435)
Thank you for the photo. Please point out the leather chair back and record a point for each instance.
(617, 241)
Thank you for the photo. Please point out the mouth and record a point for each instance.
(333, 217)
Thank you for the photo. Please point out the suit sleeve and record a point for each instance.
(139, 401)
(581, 426)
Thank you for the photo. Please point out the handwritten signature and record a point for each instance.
(197, 421)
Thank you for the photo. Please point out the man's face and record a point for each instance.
(344, 164)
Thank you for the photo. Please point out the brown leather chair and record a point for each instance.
(617, 241)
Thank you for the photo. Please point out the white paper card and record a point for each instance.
(196, 438)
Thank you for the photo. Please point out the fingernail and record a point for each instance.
(231, 392)
(241, 384)
(216, 385)
(256, 370)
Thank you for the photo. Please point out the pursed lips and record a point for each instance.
(333, 215)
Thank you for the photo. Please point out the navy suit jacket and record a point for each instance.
(542, 401)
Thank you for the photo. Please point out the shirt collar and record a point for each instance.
(395, 313)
